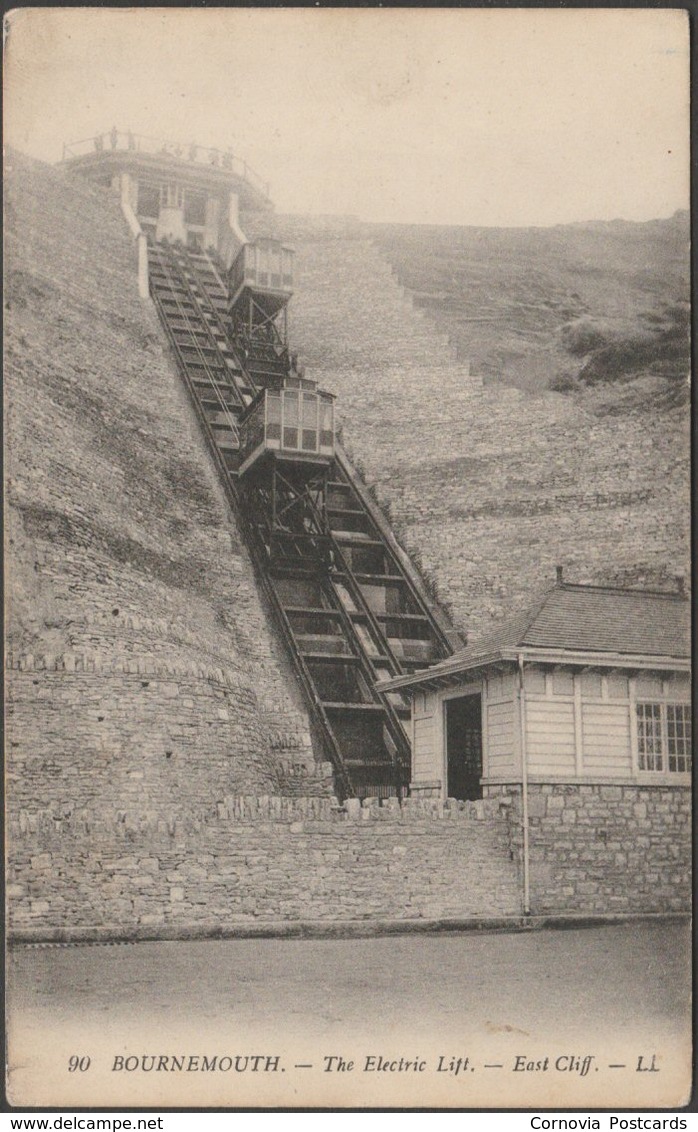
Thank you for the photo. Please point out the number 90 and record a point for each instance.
(79, 1064)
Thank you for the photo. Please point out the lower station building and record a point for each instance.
(577, 715)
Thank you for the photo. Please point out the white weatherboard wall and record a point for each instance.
(501, 756)
(580, 726)
(606, 739)
(500, 716)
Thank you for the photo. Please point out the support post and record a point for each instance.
(139, 236)
(142, 246)
(234, 220)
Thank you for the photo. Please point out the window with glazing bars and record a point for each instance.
(664, 737)
(678, 725)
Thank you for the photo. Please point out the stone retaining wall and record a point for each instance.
(257, 859)
(604, 848)
(145, 735)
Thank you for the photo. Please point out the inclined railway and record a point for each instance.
(350, 607)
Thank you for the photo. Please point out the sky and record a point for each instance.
(493, 117)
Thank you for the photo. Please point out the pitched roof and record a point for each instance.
(597, 619)
(583, 619)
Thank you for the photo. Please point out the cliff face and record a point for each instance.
(491, 485)
(145, 669)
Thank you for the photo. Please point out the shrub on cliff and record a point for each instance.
(563, 383)
(583, 335)
(661, 346)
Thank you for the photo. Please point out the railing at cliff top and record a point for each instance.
(115, 141)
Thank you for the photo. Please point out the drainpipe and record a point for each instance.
(524, 791)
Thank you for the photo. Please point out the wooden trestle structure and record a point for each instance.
(350, 606)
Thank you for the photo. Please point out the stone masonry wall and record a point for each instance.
(135, 622)
(604, 849)
(140, 735)
(488, 487)
(256, 860)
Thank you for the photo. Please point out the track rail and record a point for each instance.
(363, 602)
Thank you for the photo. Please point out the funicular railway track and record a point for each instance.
(350, 610)
(210, 368)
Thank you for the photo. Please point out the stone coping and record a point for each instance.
(301, 813)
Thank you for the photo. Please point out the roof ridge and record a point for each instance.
(674, 595)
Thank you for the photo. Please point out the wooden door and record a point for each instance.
(464, 747)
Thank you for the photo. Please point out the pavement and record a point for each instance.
(594, 1016)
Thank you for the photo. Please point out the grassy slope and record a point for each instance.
(504, 295)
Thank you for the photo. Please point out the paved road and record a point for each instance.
(550, 999)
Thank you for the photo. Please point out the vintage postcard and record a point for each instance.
(347, 508)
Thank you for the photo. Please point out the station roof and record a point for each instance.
(194, 165)
(579, 624)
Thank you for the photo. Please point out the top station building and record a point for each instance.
(181, 194)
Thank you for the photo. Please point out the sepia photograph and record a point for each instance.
(347, 561)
